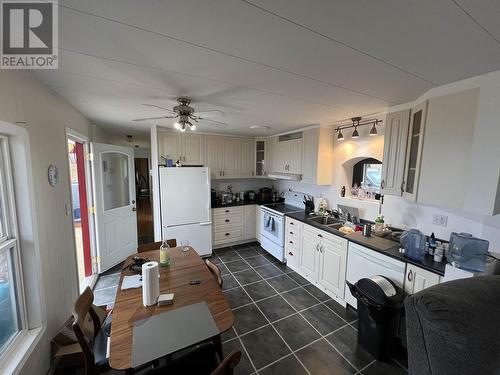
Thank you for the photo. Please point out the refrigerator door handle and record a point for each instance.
(206, 223)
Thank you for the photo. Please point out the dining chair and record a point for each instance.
(93, 342)
(215, 272)
(155, 245)
(201, 360)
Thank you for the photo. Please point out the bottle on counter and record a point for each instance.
(342, 191)
(164, 254)
(432, 244)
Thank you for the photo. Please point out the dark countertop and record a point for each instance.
(381, 245)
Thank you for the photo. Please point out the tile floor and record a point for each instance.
(283, 323)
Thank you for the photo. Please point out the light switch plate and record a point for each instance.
(441, 220)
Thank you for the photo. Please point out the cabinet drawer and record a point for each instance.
(335, 240)
(224, 211)
(228, 220)
(229, 235)
(293, 240)
(292, 254)
(293, 224)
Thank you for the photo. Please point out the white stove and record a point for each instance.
(273, 223)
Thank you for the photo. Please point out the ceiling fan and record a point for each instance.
(184, 114)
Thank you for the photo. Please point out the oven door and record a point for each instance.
(272, 227)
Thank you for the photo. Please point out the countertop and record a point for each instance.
(381, 245)
(246, 202)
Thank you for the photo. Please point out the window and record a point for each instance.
(366, 178)
(12, 320)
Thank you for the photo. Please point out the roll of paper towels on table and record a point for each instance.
(150, 283)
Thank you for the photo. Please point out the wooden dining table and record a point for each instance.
(185, 266)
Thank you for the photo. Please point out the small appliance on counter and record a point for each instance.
(413, 242)
(266, 194)
(468, 252)
(309, 204)
(251, 195)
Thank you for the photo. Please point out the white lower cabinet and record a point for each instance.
(257, 222)
(322, 256)
(233, 224)
(417, 279)
(249, 221)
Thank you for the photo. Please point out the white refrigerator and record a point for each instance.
(185, 206)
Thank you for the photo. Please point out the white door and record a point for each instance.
(115, 212)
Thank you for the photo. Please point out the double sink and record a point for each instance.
(327, 221)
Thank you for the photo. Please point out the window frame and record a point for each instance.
(10, 242)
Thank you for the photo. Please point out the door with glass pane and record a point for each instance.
(414, 151)
(115, 209)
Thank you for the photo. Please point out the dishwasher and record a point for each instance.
(363, 262)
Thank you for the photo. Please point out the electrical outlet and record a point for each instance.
(441, 220)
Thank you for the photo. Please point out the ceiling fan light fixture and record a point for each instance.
(177, 125)
(259, 127)
(373, 130)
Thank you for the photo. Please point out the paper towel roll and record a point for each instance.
(150, 283)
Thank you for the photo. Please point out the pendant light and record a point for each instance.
(355, 133)
(340, 136)
(373, 130)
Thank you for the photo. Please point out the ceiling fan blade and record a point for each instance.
(153, 118)
(222, 113)
(157, 106)
(215, 123)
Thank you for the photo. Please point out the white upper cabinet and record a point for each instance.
(192, 149)
(231, 157)
(287, 153)
(188, 148)
(247, 156)
(395, 138)
(213, 147)
(414, 151)
(169, 147)
(317, 156)
(261, 158)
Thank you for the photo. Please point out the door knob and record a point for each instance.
(133, 202)
(134, 209)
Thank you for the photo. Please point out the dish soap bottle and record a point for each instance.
(164, 254)
(432, 244)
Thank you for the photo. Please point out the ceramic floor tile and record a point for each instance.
(282, 283)
(275, 308)
(268, 271)
(247, 277)
(283, 267)
(264, 346)
(345, 341)
(299, 299)
(258, 261)
(286, 366)
(237, 297)
(248, 318)
(244, 367)
(298, 279)
(229, 282)
(259, 290)
(229, 256)
(321, 358)
(237, 265)
(107, 281)
(323, 319)
(228, 335)
(381, 368)
(316, 292)
(296, 331)
(346, 313)
(247, 253)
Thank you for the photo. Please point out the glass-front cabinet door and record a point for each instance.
(260, 158)
(409, 187)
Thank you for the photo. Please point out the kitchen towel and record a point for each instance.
(150, 283)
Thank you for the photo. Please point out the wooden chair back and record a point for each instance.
(82, 308)
(155, 245)
(215, 271)
(228, 364)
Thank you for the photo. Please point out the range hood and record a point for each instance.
(285, 176)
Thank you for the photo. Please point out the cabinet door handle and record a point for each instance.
(320, 235)
(321, 248)
(227, 210)
(291, 242)
(227, 220)
(382, 184)
(223, 173)
(220, 173)
(252, 173)
(291, 232)
(410, 276)
(290, 253)
(291, 222)
(227, 234)
(402, 187)
(317, 247)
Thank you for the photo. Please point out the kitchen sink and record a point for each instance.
(327, 220)
(335, 226)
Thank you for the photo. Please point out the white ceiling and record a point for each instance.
(280, 63)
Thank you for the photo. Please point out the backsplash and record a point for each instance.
(401, 213)
(242, 184)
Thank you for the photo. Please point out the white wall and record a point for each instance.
(22, 98)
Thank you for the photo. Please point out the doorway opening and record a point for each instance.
(80, 214)
(145, 230)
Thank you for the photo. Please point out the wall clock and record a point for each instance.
(53, 175)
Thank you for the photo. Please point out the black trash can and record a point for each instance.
(380, 307)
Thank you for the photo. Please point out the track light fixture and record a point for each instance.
(356, 122)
